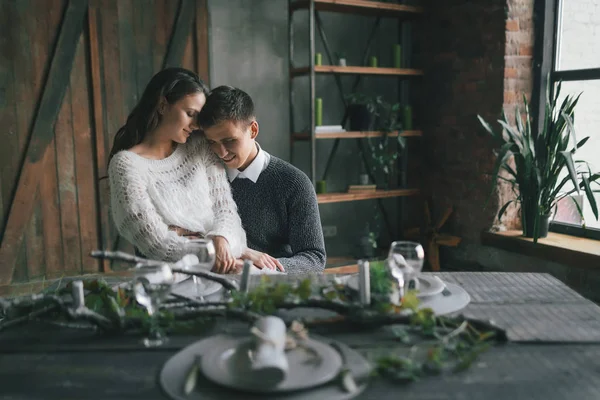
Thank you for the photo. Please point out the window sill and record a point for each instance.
(557, 247)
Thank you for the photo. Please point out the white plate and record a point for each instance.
(205, 288)
(429, 285)
(228, 365)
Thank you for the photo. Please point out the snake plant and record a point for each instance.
(536, 174)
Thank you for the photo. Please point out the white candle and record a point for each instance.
(364, 280)
(245, 280)
(78, 296)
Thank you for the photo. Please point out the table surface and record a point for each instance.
(553, 352)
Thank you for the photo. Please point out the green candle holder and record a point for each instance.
(321, 187)
(318, 59)
(373, 61)
(318, 111)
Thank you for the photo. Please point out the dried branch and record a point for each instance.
(122, 256)
(211, 276)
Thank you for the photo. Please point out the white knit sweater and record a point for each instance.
(188, 189)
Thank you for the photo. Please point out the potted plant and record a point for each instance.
(383, 151)
(362, 111)
(540, 159)
(341, 59)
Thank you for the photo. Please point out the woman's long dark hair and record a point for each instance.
(172, 84)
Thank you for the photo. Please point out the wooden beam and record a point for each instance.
(360, 7)
(100, 149)
(42, 133)
(355, 134)
(181, 29)
(376, 194)
(201, 33)
(336, 69)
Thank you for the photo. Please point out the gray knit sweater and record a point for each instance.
(281, 217)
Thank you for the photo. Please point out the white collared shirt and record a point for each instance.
(253, 171)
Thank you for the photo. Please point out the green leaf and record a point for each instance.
(304, 289)
(571, 167)
(590, 196)
(503, 209)
(486, 126)
(401, 141)
(582, 142)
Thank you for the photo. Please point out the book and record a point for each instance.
(329, 129)
(361, 188)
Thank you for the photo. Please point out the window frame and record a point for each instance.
(545, 60)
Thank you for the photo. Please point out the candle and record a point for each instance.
(78, 296)
(321, 187)
(318, 111)
(245, 279)
(408, 118)
(364, 282)
(373, 61)
(318, 59)
(397, 56)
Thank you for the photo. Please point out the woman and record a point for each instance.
(164, 180)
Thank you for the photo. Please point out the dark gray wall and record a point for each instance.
(249, 49)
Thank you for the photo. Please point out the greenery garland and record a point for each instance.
(436, 344)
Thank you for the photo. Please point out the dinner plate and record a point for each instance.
(429, 285)
(204, 288)
(313, 364)
(175, 374)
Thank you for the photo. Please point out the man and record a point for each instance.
(276, 201)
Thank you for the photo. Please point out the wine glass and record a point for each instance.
(151, 285)
(405, 262)
(204, 249)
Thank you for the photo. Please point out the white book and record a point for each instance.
(329, 129)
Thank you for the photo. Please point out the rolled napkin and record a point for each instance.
(268, 361)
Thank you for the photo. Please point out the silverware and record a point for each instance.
(192, 378)
(345, 376)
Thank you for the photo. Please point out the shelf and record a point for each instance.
(356, 70)
(360, 7)
(354, 135)
(565, 249)
(378, 194)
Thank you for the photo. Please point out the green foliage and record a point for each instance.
(266, 297)
(457, 345)
(540, 158)
(380, 280)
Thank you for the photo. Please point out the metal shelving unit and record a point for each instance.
(378, 10)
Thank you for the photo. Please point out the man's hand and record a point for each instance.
(262, 260)
(225, 262)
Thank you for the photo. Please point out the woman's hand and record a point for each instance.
(225, 262)
(262, 260)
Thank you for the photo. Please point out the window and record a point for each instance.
(571, 53)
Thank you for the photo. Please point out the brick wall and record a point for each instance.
(466, 76)
(479, 61)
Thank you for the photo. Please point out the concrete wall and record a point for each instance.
(249, 49)
(477, 58)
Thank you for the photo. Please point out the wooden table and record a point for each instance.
(554, 352)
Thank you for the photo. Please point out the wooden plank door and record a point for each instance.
(69, 74)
